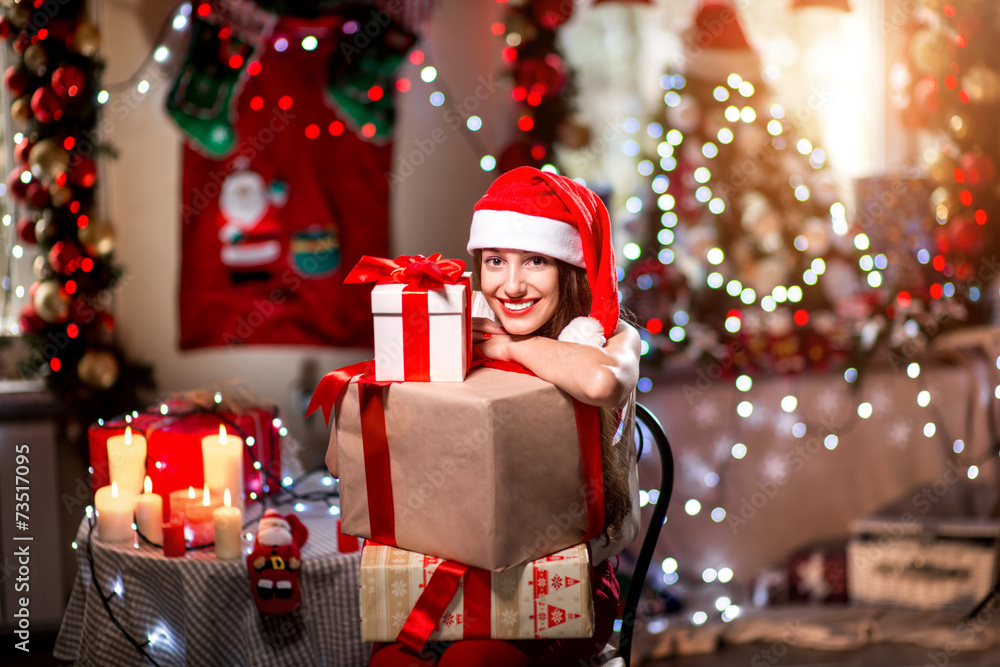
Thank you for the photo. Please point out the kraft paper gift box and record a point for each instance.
(488, 472)
(397, 332)
(547, 598)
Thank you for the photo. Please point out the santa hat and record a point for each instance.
(300, 534)
(717, 46)
(535, 211)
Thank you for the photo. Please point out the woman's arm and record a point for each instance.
(601, 376)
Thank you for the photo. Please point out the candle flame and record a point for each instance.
(114, 489)
(191, 492)
(128, 435)
(147, 486)
(229, 499)
(222, 434)
(206, 499)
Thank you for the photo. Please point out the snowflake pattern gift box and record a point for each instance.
(548, 598)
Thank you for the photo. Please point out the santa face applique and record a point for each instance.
(250, 231)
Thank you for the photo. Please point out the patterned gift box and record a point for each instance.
(173, 446)
(547, 598)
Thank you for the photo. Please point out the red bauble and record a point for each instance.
(36, 195)
(21, 42)
(15, 186)
(516, 155)
(544, 76)
(46, 105)
(83, 171)
(22, 150)
(6, 27)
(31, 323)
(26, 230)
(552, 13)
(68, 80)
(966, 235)
(16, 80)
(63, 256)
(980, 169)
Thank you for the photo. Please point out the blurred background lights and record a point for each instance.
(744, 409)
(739, 450)
(865, 410)
(692, 507)
(744, 383)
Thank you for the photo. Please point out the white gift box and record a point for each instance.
(446, 323)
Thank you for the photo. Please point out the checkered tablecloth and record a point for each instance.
(197, 610)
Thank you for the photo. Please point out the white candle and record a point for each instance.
(199, 519)
(178, 504)
(228, 531)
(127, 462)
(114, 514)
(149, 513)
(222, 456)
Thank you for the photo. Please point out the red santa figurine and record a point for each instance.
(275, 561)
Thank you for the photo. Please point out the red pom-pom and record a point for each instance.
(68, 80)
(36, 195)
(46, 105)
(15, 186)
(26, 230)
(16, 80)
(22, 150)
(84, 172)
(31, 323)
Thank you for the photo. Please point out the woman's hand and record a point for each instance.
(483, 328)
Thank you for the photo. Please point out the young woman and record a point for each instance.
(547, 297)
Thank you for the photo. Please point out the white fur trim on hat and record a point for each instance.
(530, 233)
(583, 330)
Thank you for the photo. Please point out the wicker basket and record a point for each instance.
(933, 564)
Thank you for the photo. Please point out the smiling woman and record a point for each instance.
(522, 288)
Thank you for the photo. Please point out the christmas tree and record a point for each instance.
(748, 257)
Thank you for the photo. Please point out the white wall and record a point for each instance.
(430, 209)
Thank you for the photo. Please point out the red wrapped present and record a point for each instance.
(818, 573)
(410, 597)
(173, 446)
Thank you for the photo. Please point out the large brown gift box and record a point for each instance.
(548, 598)
(486, 472)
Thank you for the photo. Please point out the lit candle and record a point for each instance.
(114, 514)
(173, 539)
(228, 530)
(149, 513)
(222, 456)
(127, 462)
(199, 519)
(178, 504)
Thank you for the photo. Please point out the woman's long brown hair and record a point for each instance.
(574, 301)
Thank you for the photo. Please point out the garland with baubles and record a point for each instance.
(68, 319)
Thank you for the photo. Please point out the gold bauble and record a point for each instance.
(87, 39)
(931, 51)
(20, 14)
(959, 126)
(51, 302)
(36, 59)
(97, 238)
(38, 267)
(49, 157)
(60, 195)
(982, 83)
(46, 229)
(942, 169)
(98, 369)
(573, 134)
(20, 110)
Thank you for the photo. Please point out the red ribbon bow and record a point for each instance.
(411, 270)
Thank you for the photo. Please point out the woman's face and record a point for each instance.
(521, 287)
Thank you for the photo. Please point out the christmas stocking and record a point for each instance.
(275, 562)
(361, 72)
(203, 97)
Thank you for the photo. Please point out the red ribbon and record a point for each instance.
(378, 473)
(332, 385)
(431, 605)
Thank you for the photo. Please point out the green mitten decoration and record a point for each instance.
(201, 99)
(355, 71)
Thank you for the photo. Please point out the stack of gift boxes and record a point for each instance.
(182, 473)
(468, 481)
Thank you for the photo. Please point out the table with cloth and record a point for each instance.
(199, 610)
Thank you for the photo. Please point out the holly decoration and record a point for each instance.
(54, 81)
